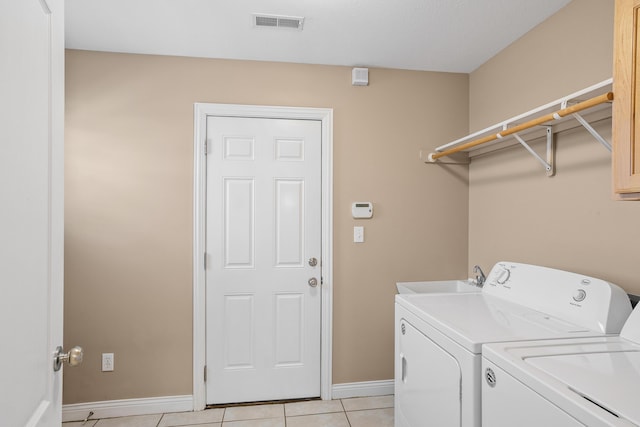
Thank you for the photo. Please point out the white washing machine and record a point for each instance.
(439, 336)
(581, 382)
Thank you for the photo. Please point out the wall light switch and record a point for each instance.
(358, 234)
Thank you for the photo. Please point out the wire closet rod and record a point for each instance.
(557, 115)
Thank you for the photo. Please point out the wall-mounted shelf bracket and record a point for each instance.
(554, 117)
(592, 131)
(548, 164)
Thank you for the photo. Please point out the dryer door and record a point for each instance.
(427, 382)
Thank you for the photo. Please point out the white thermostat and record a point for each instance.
(362, 209)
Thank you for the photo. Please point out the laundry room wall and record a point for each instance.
(516, 213)
(129, 156)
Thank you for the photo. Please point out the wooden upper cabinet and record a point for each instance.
(626, 88)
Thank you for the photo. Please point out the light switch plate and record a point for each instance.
(358, 234)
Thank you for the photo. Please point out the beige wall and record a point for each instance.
(569, 51)
(515, 211)
(129, 136)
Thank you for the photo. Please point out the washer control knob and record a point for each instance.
(579, 295)
(503, 276)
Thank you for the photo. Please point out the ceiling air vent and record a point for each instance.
(276, 21)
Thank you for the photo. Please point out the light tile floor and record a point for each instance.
(355, 412)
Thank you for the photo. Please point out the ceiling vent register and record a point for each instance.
(277, 21)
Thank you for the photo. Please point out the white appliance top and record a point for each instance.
(611, 380)
(524, 302)
(597, 380)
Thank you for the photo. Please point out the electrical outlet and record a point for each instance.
(107, 362)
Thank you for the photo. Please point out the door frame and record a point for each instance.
(325, 116)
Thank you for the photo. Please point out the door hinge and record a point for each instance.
(205, 261)
(206, 147)
(205, 373)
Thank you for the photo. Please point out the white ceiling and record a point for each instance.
(434, 35)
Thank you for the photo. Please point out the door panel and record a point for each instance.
(30, 211)
(239, 218)
(263, 223)
(289, 331)
(239, 335)
(289, 211)
(626, 86)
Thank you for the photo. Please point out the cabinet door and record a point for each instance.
(626, 152)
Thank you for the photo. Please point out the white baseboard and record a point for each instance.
(362, 389)
(126, 407)
(160, 405)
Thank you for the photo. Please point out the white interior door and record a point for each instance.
(31, 210)
(263, 216)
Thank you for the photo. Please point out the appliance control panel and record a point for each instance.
(503, 276)
(579, 295)
(585, 301)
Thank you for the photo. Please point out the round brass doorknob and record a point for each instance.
(73, 357)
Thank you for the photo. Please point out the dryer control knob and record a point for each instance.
(579, 295)
(503, 276)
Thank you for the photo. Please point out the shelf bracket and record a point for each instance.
(548, 164)
(592, 131)
(542, 117)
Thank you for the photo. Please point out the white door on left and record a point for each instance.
(31, 210)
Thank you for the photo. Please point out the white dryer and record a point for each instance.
(591, 382)
(439, 337)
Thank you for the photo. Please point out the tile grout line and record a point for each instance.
(223, 422)
(345, 412)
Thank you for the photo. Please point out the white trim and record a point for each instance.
(363, 389)
(199, 221)
(325, 115)
(127, 407)
(56, 196)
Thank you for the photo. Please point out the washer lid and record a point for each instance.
(610, 380)
(631, 329)
(472, 319)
